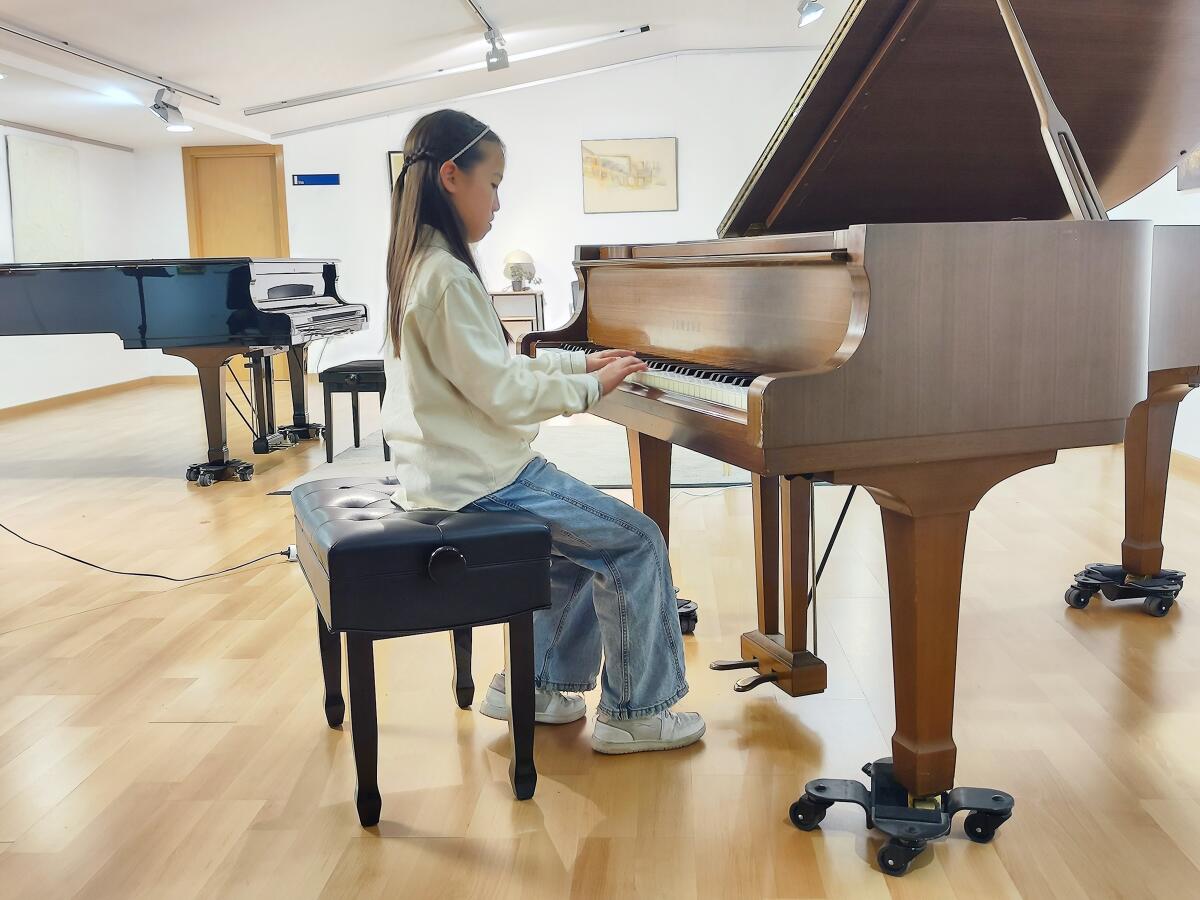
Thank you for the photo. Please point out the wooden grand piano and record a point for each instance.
(988, 316)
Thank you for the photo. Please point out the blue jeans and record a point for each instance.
(611, 591)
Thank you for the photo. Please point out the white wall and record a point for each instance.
(1165, 205)
(723, 108)
(131, 206)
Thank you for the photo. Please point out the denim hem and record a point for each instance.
(577, 687)
(644, 711)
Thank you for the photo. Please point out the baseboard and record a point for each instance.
(36, 406)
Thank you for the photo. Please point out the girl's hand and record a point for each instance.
(597, 361)
(620, 368)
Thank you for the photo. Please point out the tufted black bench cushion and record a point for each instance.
(378, 571)
(372, 565)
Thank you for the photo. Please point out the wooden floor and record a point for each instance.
(162, 740)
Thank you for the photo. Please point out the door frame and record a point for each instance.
(191, 155)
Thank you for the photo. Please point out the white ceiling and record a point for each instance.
(259, 51)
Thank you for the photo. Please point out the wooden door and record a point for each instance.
(236, 205)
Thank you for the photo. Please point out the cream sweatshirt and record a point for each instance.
(461, 410)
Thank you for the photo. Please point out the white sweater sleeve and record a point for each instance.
(461, 338)
(572, 363)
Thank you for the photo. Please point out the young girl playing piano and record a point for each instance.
(460, 413)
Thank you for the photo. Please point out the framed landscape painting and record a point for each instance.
(630, 175)
(1189, 171)
(395, 164)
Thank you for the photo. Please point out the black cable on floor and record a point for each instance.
(140, 574)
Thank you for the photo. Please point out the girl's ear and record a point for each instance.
(448, 173)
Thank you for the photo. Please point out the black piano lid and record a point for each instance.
(945, 129)
(135, 263)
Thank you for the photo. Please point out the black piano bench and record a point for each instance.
(352, 377)
(378, 572)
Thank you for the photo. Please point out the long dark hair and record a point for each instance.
(418, 198)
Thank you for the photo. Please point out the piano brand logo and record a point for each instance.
(689, 325)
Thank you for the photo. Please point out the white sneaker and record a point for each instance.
(664, 731)
(550, 707)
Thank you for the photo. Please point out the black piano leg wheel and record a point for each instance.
(887, 808)
(208, 474)
(1157, 592)
(689, 614)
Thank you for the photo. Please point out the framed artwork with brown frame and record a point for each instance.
(395, 164)
(630, 175)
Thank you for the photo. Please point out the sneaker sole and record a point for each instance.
(501, 714)
(645, 746)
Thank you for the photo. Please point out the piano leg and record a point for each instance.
(926, 508)
(1148, 434)
(650, 474)
(650, 468)
(301, 428)
(210, 366)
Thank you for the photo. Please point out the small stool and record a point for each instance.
(378, 572)
(352, 377)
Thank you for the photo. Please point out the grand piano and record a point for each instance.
(986, 316)
(206, 311)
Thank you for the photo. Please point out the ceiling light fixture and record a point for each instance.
(68, 47)
(810, 11)
(165, 108)
(496, 57)
(453, 70)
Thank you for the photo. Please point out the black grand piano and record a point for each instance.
(207, 311)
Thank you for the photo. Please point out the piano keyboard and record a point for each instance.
(727, 387)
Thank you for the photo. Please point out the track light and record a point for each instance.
(165, 108)
(810, 11)
(497, 57)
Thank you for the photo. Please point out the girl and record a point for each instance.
(460, 413)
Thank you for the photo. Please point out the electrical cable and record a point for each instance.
(21, 537)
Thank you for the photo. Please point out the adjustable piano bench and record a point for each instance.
(352, 377)
(378, 572)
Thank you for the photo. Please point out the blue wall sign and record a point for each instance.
(316, 179)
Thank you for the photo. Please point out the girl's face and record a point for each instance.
(475, 192)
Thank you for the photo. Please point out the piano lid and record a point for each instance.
(919, 111)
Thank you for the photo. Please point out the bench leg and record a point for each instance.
(331, 666)
(354, 416)
(387, 451)
(518, 661)
(364, 726)
(462, 683)
(328, 424)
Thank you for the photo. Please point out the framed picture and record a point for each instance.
(630, 175)
(1189, 171)
(395, 164)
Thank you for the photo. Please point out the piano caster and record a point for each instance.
(307, 431)
(910, 824)
(208, 474)
(1113, 582)
(688, 615)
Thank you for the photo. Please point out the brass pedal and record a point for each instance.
(750, 683)
(728, 665)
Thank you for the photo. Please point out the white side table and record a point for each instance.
(520, 312)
